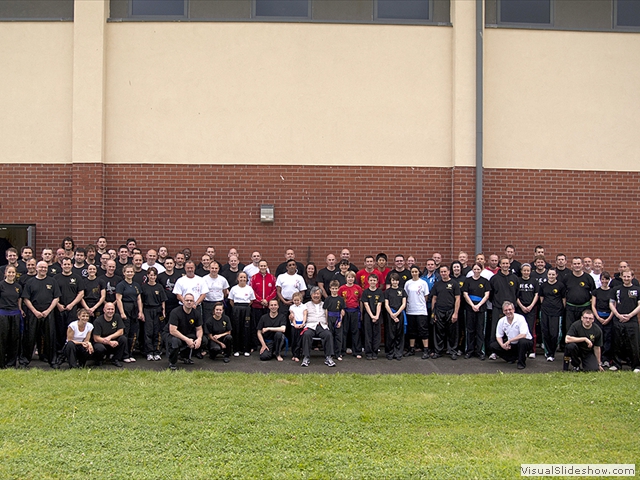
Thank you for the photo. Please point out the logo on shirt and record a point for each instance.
(114, 324)
(554, 291)
(481, 285)
(633, 293)
(191, 321)
(17, 290)
(511, 283)
(49, 287)
(582, 284)
(72, 281)
(449, 286)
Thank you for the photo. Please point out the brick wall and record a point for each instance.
(321, 209)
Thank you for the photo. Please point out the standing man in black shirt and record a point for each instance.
(185, 331)
(625, 305)
(445, 303)
(579, 286)
(41, 295)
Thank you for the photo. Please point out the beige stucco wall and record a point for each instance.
(278, 93)
(36, 92)
(562, 100)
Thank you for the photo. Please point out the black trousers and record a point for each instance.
(587, 361)
(324, 335)
(395, 336)
(9, 340)
(43, 332)
(626, 338)
(76, 354)
(445, 332)
(275, 345)
(241, 328)
(131, 327)
(371, 336)
(475, 326)
(550, 331)
(100, 351)
(336, 332)
(216, 349)
(351, 327)
(607, 340)
(518, 351)
(177, 347)
(152, 328)
(256, 314)
(63, 319)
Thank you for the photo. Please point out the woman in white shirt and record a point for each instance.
(417, 315)
(78, 347)
(240, 298)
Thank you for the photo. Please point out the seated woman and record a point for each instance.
(78, 347)
(315, 323)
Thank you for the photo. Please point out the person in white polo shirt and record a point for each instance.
(513, 340)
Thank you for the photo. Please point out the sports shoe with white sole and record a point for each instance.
(532, 355)
(493, 356)
(328, 361)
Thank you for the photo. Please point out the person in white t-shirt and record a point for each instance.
(78, 347)
(240, 298)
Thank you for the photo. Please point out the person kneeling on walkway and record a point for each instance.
(185, 332)
(270, 329)
(518, 343)
(583, 344)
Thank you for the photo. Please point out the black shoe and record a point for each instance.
(55, 366)
(410, 353)
(467, 356)
(172, 367)
(375, 357)
(117, 363)
(369, 357)
(187, 361)
(97, 364)
(399, 357)
(454, 356)
(521, 366)
(425, 355)
(226, 360)
(483, 357)
(199, 355)
(435, 355)
(389, 357)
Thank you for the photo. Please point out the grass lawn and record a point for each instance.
(135, 425)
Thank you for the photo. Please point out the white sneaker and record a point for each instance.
(349, 351)
(493, 356)
(236, 354)
(247, 354)
(131, 359)
(613, 368)
(532, 355)
(550, 359)
(157, 358)
(636, 370)
(150, 358)
(126, 360)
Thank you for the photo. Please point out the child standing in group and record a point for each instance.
(371, 312)
(296, 316)
(351, 293)
(334, 307)
(395, 302)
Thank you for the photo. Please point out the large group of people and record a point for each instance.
(101, 304)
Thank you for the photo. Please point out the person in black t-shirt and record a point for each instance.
(185, 332)
(218, 331)
(10, 316)
(108, 336)
(445, 303)
(476, 290)
(552, 299)
(395, 302)
(41, 295)
(334, 307)
(625, 305)
(604, 317)
(527, 301)
(153, 304)
(583, 344)
(372, 299)
(271, 328)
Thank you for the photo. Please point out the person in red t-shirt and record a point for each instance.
(362, 277)
(352, 294)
